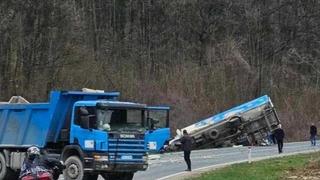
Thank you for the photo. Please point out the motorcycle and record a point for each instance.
(37, 173)
(52, 172)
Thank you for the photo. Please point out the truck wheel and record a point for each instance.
(5, 172)
(74, 169)
(3, 167)
(213, 134)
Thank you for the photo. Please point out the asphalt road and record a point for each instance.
(172, 165)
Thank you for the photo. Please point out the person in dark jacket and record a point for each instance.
(279, 135)
(313, 134)
(186, 142)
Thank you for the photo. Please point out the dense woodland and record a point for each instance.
(200, 57)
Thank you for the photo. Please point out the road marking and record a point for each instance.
(240, 151)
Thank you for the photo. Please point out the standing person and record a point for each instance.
(313, 134)
(270, 138)
(186, 142)
(279, 135)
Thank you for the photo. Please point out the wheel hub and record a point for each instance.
(73, 171)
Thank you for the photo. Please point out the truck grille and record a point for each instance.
(126, 151)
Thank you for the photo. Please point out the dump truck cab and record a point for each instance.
(111, 137)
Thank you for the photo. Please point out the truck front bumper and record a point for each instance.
(99, 166)
(92, 164)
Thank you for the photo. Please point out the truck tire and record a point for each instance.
(74, 169)
(5, 172)
(213, 134)
(118, 176)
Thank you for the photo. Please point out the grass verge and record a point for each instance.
(272, 169)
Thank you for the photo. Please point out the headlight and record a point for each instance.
(101, 158)
(145, 158)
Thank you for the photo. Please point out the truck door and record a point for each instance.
(158, 132)
(84, 130)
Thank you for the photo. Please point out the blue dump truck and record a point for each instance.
(92, 133)
(247, 124)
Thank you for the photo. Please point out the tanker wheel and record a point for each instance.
(74, 169)
(5, 172)
(213, 134)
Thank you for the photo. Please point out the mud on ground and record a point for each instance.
(310, 172)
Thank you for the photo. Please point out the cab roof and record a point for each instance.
(111, 104)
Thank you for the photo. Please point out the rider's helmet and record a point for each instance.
(33, 152)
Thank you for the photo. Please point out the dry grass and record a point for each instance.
(310, 172)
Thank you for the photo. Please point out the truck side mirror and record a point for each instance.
(153, 122)
(84, 122)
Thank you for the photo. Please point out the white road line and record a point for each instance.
(240, 147)
(241, 151)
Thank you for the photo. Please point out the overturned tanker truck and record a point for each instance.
(246, 124)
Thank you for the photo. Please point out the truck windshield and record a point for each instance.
(120, 119)
(157, 118)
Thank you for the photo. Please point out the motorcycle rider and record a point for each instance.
(35, 162)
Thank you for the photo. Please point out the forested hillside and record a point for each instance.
(201, 57)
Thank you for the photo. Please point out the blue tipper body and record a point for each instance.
(40, 123)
